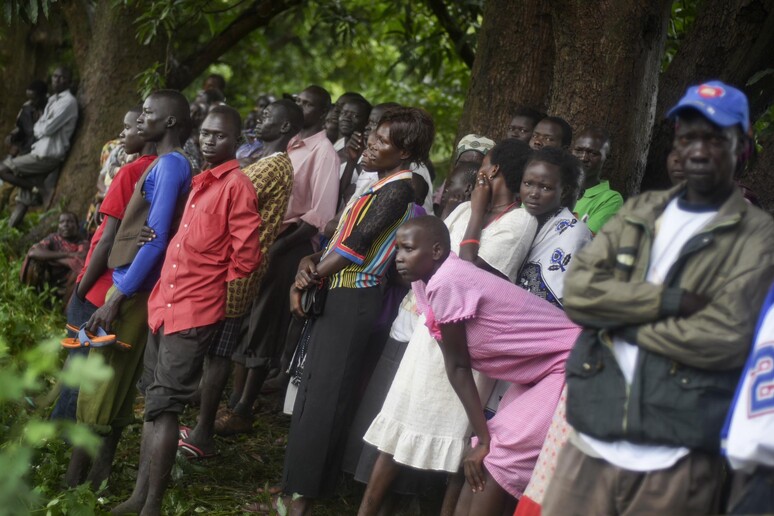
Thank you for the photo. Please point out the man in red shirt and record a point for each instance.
(217, 242)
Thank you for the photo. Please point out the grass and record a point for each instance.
(217, 486)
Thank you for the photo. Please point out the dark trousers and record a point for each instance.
(78, 312)
(328, 391)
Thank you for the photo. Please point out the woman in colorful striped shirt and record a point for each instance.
(352, 267)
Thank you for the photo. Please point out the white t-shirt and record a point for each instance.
(676, 226)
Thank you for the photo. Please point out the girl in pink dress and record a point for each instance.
(488, 324)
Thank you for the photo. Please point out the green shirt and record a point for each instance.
(598, 204)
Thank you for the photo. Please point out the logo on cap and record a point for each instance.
(710, 92)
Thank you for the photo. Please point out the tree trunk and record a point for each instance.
(108, 57)
(513, 66)
(729, 40)
(759, 177)
(606, 74)
(25, 55)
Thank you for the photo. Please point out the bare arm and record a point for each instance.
(454, 347)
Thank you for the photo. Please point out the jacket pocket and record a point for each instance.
(596, 389)
(682, 405)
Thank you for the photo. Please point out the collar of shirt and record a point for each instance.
(601, 187)
(400, 176)
(207, 177)
(309, 141)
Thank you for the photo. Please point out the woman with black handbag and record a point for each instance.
(351, 268)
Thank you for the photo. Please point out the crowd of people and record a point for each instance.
(515, 328)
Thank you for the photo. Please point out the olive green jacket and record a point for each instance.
(731, 261)
(688, 367)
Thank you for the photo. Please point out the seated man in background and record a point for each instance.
(53, 131)
(56, 259)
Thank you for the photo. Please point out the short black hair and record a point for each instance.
(434, 228)
(219, 79)
(347, 96)
(137, 108)
(179, 108)
(510, 155)
(528, 112)
(468, 170)
(321, 92)
(597, 132)
(212, 96)
(73, 215)
(566, 128)
(231, 115)
(294, 114)
(412, 130)
(66, 70)
(360, 102)
(39, 87)
(570, 171)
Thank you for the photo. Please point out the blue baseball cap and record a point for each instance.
(720, 103)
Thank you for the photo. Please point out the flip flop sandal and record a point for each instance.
(184, 431)
(192, 452)
(86, 339)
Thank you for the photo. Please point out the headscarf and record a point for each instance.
(474, 142)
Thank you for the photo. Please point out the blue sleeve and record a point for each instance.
(171, 178)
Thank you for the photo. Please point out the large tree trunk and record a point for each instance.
(25, 55)
(109, 57)
(606, 74)
(729, 40)
(513, 66)
(759, 177)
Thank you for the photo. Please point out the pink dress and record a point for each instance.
(513, 336)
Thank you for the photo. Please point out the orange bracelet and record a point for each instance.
(470, 241)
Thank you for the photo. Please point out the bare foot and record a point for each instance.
(131, 506)
(301, 506)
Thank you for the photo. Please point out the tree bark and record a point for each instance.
(513, 66)
(108, 64)
(729, 40)
(759, 177)
(26, 53)
(606, 74)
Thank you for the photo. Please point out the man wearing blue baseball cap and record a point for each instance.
(668, 294)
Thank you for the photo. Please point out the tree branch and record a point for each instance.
(455, 32)
(257, 15)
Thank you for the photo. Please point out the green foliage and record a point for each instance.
(33, 453)
(26, 10)
(388, 51)
(682, 18)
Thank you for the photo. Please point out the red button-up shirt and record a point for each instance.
(217, 242)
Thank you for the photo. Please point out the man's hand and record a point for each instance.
(147, 234)
(106, 314)
(355, 146)
(691, 303)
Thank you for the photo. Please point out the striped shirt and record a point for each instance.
(366, 231)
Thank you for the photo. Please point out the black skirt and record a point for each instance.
(328, 393)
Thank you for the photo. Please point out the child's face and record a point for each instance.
(416, 256)
(458, 187)
(129, 137)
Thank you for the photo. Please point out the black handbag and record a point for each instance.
(313, 299)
